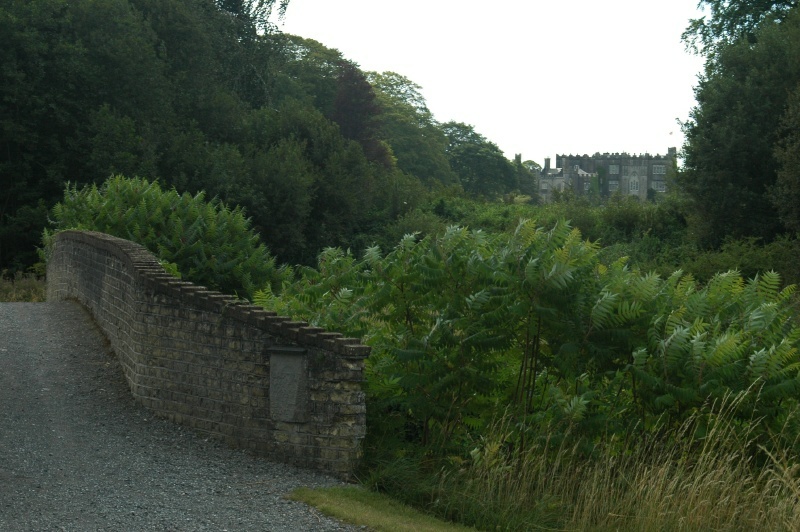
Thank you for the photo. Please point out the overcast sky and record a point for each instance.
(535, 77)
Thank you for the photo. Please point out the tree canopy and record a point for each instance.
(732, 135)
(481, 167)
(786, 192)
(207, 95)
(732, 20)
(418, 143)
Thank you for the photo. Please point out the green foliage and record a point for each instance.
(357, 113)
(464, 324)
(204, 95)
(253, 15)
(749, 256)
(308, 72)
(727, 338)
(481, 167)
(92, 87)
(732, 20)
(786, 193)
(310, 181)
(209, 243)
(733, 132)
(417, 142)
(41, 103)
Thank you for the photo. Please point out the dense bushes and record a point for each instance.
(209, 243)
(465, 324)
(574, 354)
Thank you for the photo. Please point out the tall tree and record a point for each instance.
(481, 167)
(358, 113)
(303, 173)
(528, 177)
(417, 141)
(732, 133)
(732, 20)
(309, 72)
(786, 193)
(91, 87)
(41, 102)
(253, 14)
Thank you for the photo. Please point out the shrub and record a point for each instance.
(463, 323)
(209, 243)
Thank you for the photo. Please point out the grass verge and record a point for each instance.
(733, 478)
(360, 507)
(21, 287)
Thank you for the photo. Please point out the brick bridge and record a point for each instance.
(200, 358)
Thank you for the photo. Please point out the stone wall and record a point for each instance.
(200, 358)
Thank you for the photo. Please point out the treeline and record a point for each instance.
(208, 95)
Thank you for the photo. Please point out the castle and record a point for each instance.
(604, 174)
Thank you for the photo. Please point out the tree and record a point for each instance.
(308, 72)
(158, 88)
(479, 164)
(253, 14)
(303, 175)
(417, 142)
(732, 20)
(358, 113)
(41, 103)
(528, 177)
(730, 165)
(786, 193)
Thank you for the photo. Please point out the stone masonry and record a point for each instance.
(606, 174)
(200, 358)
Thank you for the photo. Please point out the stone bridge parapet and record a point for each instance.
(235, 371)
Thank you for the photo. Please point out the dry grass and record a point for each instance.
(722, 490)
(715, 484)
(21, 287)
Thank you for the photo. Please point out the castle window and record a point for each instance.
(613, 185)
(659, 169)
(613, 169)
(659, 186)
(633, 185)
(545, 186)
(586, 186)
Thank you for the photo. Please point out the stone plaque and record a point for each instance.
(288, 386)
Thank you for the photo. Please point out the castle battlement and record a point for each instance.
(604, 174)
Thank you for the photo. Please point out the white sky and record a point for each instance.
(535, 77)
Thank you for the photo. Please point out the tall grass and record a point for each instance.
(722, 482)
(21, 287)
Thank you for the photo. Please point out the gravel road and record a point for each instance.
(78, 454)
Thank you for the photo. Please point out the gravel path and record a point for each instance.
(77, 453)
